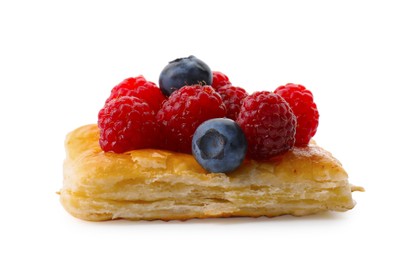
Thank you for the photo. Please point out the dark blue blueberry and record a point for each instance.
(219, 145)
(182, 72)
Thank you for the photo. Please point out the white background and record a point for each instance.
(59, 60)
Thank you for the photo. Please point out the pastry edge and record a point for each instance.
(68, 202)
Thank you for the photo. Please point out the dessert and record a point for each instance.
(184, 158)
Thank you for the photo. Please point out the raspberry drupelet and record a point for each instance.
(219, 80)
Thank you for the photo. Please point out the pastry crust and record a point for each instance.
(157, 184)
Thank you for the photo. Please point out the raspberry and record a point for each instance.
(268, 123)
(141, 88)
(301, 101)
(127, 123)
(184, 111)
(219, 80)
(232, 98)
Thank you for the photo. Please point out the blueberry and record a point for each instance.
(219, 145)
(182, 72)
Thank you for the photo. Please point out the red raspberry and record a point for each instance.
(301, 101)
(141, 88)
(184, 111)
(232, 97)
(127, 123)
(268, 123)
(219, 79)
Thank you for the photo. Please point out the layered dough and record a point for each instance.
(157, 184)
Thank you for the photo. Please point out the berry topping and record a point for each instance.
(268, 123)
(141, 88)
(301, 101)
(184, 111)
(232, 97)
(127, 123)
(219, 145)
(182, 72)
(219, 79)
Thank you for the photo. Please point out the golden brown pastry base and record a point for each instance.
(156, 184)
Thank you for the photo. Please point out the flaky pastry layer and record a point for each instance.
(157, 184)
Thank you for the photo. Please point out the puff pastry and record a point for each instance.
(157, 184)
